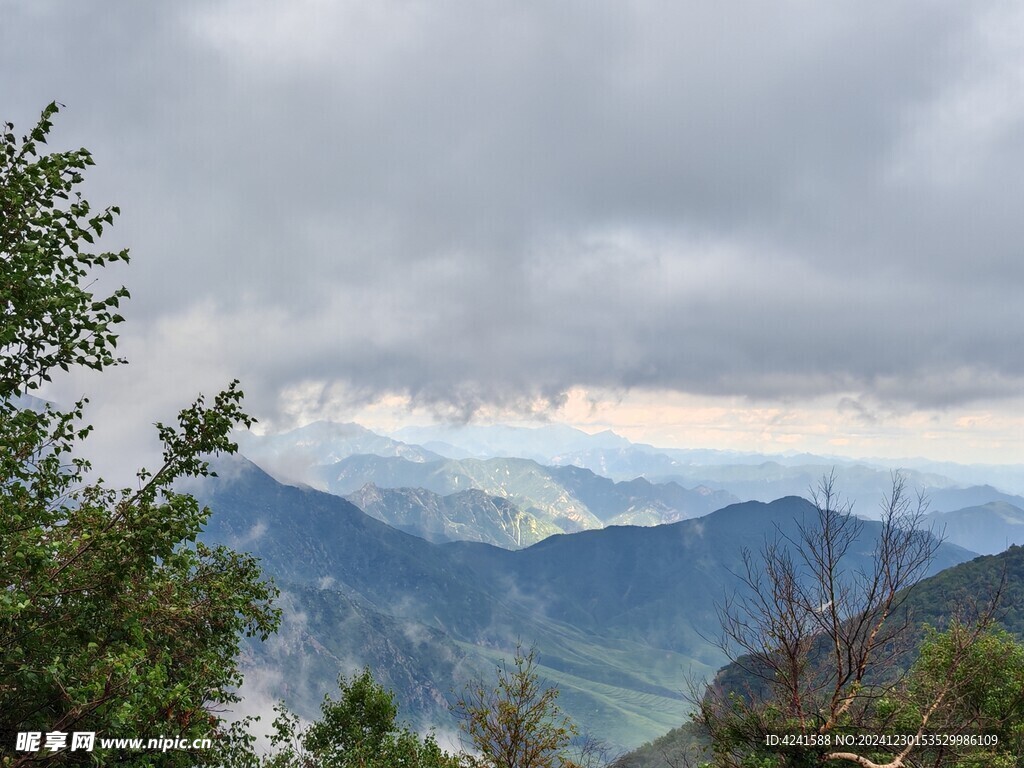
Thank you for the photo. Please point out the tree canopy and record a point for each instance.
(359, 729)
(114, 619)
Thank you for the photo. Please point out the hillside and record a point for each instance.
(930, 602)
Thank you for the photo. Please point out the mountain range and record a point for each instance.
(744, 474)
(291, 455)
(303, 455)
(567, 498)
(620, 615)
(428, 555)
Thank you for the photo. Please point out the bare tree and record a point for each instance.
(516, 723)
(590, 752)
(819, 642)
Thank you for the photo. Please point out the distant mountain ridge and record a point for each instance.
(291, 455)
(568, 498)
(987, 529)
(576, 481)
(744, 474)
(499, 441)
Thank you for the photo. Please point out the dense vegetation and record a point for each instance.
(113, 619)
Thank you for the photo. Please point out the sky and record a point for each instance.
(789, 226)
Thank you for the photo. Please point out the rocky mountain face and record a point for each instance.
(469, 515)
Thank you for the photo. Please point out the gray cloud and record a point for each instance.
(492, 202)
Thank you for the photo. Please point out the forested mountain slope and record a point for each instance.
(932, 602)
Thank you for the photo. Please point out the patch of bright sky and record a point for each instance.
(833, 426)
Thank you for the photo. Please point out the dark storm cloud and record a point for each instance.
(492, 202)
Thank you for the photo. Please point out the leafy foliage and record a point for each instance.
(983, 676)
(112, 618)
(359, 729)
(50, 320)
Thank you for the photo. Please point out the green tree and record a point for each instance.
(359, 729)
(516, 724)
(978, 678)
(113, 618)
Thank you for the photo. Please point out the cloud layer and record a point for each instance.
(488, 204)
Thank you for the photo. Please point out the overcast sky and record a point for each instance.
(770, 226)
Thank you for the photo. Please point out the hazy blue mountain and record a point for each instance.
(1006, 477)
(619, 615)
(448, 451)
(604, 453)
(499, 441)
(469, 515)
(570, 498)
(560, 444)
(987, 529)
(867, 484)
(952, 499)
(638, 501)
(296, 455)
(291, 455)
(624, 463)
